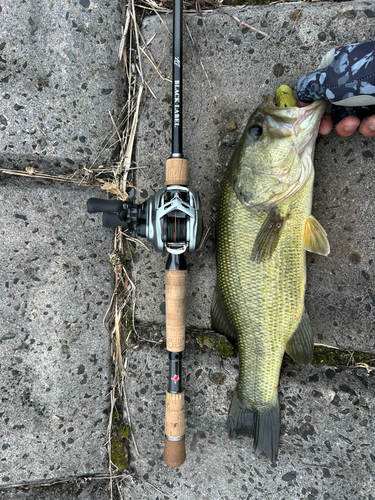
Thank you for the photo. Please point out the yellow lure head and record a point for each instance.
(284, 97)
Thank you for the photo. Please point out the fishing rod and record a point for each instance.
(172, 220)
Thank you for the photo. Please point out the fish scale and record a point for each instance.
(268, 290)
(264, 227)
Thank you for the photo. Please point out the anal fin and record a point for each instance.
(315, 238)
(300, 346)
(219, 319)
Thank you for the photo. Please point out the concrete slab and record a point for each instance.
(59, 79)
(55, 351)
(228, 68)
(55, 356)
(327, 439)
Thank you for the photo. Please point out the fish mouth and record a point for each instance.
(307, 124)
(299, 123)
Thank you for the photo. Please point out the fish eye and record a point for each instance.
(255, 131)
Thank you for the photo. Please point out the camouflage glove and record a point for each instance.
(345, 77)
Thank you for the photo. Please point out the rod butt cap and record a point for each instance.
(174, 452)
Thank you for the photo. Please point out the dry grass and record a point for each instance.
(123, 300)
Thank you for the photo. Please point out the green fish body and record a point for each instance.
(264, 227)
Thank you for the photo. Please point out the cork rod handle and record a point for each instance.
(175, 309)
(174, 442)
(176, 172)
(175, 302)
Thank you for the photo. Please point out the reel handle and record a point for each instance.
(112, 220)
(100, 205)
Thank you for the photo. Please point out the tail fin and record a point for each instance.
(263, 425)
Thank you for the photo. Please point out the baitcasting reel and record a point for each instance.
(171, 219)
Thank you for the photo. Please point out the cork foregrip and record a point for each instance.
(176, 172)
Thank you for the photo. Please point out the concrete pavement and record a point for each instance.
(327, 439)
(55, 359)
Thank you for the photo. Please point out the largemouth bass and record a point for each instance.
(264, 227)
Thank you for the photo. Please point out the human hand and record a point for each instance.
(346, 78)
(347, 125)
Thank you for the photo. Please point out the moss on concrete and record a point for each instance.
(127, 251)
(335, 357)
(127, 329)
(120, 434)
(119, 457)
(221, 346)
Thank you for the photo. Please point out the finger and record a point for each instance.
(347, 126)
(367, 127)
(326, 125)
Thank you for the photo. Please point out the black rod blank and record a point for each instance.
(177, 80)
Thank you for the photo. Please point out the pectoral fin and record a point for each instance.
(300, 346)
(315, 238)
(268, 236)
(219, 319)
